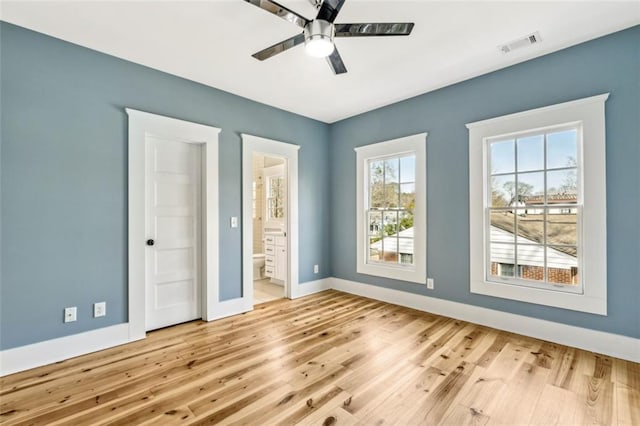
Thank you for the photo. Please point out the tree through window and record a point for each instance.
(391, 209)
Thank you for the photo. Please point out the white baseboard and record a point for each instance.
(54, 350)
(311, 287)
(49, 351)
(43, 353)
(614, 345)
(38, 354)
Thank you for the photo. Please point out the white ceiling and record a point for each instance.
(211, 42)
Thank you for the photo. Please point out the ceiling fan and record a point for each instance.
(318, 34)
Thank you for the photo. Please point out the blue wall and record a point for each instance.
(64, 179)
(64, 159)
(609, 64)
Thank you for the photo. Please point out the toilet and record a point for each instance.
(258, 266)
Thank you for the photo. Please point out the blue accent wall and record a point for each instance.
(64, 179)
(608, 64)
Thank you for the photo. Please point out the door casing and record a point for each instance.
(142, 124)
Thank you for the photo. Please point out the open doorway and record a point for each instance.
(270, 220)
(269, 236)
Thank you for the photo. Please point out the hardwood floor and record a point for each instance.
(329, 358)
(266, 291)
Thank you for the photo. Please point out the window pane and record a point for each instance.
(530, 189)
(406, 224)
(408, 196)
(502, 190)
(375, 224)
(390, 253)
(500, 255)
(405, 251)
(376, 171)
(376, 184)
(390, 223)
(392, 170)
(561, 228)
(530, 226)
(531, 153)
(503, 157)
(408, 169)
(502, 226)
(376, 195)
(375, 249)
(562, 265)
(392, 195)
(562, 186)
(406, 259)
(530, 262)
(562, 149)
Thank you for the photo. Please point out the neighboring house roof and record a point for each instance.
(531, 227)
(503, 253)
(556, 198)
(391, 242)
(527, 255)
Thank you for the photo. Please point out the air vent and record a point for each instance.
(533, 38)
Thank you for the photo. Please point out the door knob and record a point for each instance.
(150, 242)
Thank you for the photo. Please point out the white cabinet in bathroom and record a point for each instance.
(275, 248)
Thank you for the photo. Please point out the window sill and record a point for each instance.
(394, 273)
(557, 299)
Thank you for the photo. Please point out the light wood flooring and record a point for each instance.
(329, 358)
(266, 291)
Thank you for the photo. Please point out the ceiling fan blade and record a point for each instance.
(279, 47)
(329, 10)
(281, 11)
(374, 29)
(335, 62)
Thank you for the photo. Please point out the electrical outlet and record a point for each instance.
(430, 283)
(316, 269)
(99, 309)
(70, 314)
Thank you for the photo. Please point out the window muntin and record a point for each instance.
(390, 212)
(534, 207)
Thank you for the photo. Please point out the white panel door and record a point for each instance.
(173, 212)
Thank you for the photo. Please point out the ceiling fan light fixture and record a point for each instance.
(318, 38)
(319, 47)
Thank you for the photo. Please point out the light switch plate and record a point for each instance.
(234, 222)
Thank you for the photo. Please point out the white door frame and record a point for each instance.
(142, 124)
(255, 144)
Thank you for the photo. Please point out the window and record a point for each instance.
(533, 209)
(536, 184)
(391, 209)
(275, 190)
(275, 197)
(392, 193)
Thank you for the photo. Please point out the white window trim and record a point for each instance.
(590, 112)
(409, 144)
